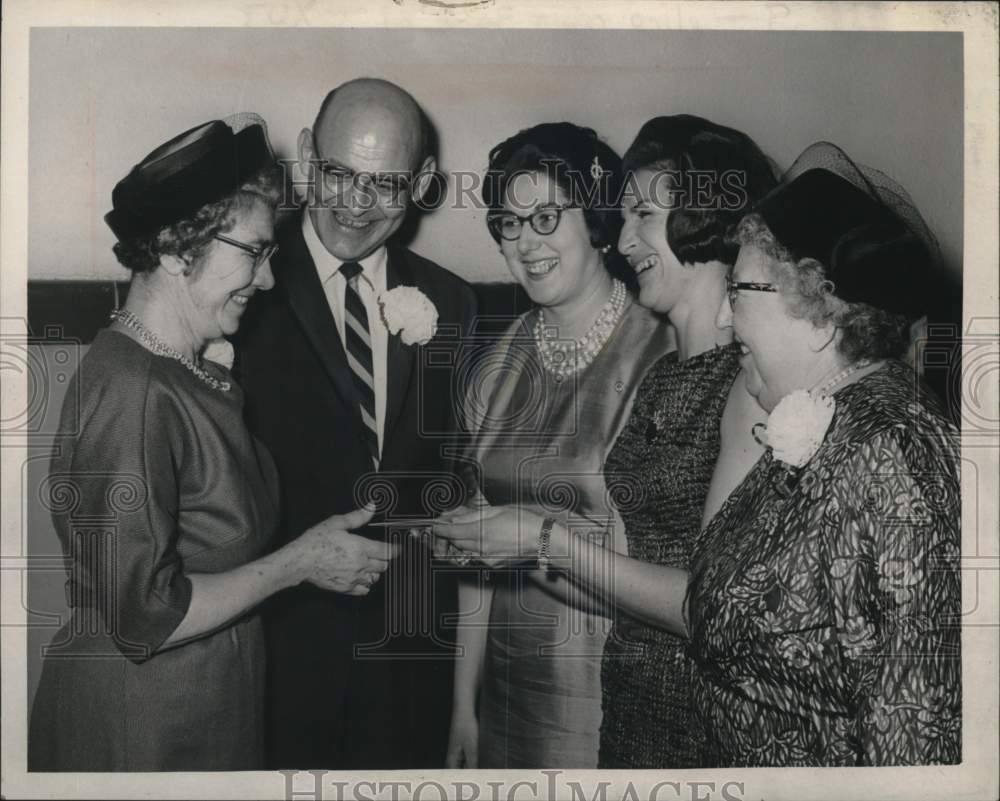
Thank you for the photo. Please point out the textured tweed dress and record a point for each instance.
(663, 463)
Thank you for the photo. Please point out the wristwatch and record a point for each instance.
(543, 543)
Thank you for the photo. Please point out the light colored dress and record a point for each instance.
(541, 445)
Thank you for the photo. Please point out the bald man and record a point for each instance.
(350, 412)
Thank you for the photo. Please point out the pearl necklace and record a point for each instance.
(154, 344)
(563, 359)
(811, 399)
(848, 371)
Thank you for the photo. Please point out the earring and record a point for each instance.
(606, 250)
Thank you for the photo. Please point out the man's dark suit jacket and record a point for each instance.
(329, 705)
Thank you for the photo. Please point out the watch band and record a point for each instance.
(544, 536)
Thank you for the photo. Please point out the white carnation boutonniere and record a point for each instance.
(797, 426)
(409, 312)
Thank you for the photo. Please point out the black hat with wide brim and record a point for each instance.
(859, 224)
(199, 166)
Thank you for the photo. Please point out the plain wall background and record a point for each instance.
(101, 98)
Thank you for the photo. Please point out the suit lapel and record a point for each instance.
(308, 303)
(400, 357)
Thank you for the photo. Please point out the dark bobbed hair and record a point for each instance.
(866, 332)
(189, 238)
(686, 146)
(586, 170)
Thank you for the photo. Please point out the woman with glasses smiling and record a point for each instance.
(822, 601)
(824, 597)
(683, 445)
(544, 407)
(161, 665)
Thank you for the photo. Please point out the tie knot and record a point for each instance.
(350, 269)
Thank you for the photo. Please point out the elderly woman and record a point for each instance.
(162, 500)
(546, 405)
(822, 602)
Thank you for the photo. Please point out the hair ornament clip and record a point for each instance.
(596, 170)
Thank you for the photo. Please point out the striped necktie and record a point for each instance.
(359, 355)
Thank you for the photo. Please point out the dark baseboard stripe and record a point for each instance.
(74, 310)
(77, 310)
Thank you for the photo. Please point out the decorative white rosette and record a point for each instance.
(408, 312)
(797, 425)
(220, 351)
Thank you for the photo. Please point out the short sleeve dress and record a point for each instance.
(541, 445)
(155, 476)
(825, 602)
(663, 463)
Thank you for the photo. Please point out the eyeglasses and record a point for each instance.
(260, 255)
(386, 185)
(544, 221)
(732, 287)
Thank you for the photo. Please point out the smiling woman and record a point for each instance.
(824, 596)
(163, 655)
(669, 464)
(554, 394)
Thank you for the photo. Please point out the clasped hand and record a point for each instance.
(333, 558)
(493, 535)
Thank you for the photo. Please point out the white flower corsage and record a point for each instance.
(797, 425)
(220, 351)
(408, 312)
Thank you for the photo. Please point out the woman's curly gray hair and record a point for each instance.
(189, 238)
(865, 331)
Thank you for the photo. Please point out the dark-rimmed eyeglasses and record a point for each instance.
(387, 186)
(544, 221)
(260, 255)
(732, 287)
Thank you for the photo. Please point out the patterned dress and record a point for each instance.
(824, 605)
(659, 471)
(541, 444)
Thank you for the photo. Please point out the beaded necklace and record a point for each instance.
(843, 375)
(158, 347)
(564, 358)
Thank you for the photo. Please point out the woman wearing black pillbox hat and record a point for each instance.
(162, 500)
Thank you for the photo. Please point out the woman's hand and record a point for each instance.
(332, 558)
(463, 739)
(493, 535)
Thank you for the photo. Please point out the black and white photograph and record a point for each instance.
(497, 400)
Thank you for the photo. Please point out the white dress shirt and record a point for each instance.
(371, 284)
